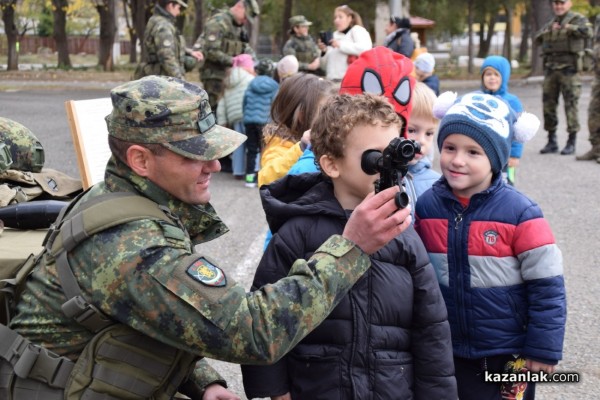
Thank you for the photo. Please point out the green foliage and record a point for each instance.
(450, 16)
(45, 25)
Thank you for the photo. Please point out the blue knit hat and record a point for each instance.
(488, 120)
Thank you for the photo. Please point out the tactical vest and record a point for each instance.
(561, 48)
(119, 362)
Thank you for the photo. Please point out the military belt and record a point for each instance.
(33, 362)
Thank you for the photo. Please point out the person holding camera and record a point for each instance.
(498, 265)
(302, 45)
(348, 41)
(389, 337)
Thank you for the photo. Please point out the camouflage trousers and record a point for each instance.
(214, 89)
(567, 83)
(594, 113)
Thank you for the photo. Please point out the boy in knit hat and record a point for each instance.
(424, 66)
(495, 256)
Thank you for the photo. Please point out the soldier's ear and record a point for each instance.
(138, 159)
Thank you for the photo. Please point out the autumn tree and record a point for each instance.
(8, 18)
(541, 12)
(108, 30)
(59, 14)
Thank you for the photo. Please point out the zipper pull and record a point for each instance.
(457, 221)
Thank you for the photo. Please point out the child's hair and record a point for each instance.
(423, 99)
(296, 105)
(356, 19)
(341, 113)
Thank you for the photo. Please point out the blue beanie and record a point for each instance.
(486, 119)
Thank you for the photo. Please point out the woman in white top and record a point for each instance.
(349, 39)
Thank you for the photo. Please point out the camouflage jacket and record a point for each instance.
(304, 48)
(221, 40)
(562, 48)
(165, 48)
(144, 274)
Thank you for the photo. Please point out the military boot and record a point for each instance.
(570, 146)
(551, 146)
(593, 154)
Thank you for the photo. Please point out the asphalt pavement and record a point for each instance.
(567, 191)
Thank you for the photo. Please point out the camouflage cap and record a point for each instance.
(181, 3)
(252, 9)
(299, 20)
(171, 112)
(19, 148)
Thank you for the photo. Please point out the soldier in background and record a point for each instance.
(302, 45)
(162, 307)
(166, 53)
(594, 106)
(224, 37)
(562, 40)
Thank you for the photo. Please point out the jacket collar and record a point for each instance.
(201, 222)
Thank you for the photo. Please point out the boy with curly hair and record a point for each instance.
(389, 337)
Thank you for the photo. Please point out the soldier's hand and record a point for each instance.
(376, 221)
(315, 64)
(218, 392)
(198, 55)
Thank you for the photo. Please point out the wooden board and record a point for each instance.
(90, 137)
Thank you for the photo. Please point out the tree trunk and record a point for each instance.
(484, 47)
(108, 30)
(8, 17)
(507, 47)
(143, 11)
(255, 30)
(130, 29)
(59, 12)
(199, 20)
(285, 23)
(525, 34)
(470, 33)
(541, 13)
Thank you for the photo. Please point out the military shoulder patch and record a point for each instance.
(206, 272)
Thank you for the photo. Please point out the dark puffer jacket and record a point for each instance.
(388, 338)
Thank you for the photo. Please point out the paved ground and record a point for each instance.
(567, 191)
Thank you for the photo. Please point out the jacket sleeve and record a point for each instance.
(204, 374)
(272, 380)
(359, 41)
(187, 301)
(166, 41)
(542, 271)
(580, 27)
(431, 344)
(212, 41)
(276, 161)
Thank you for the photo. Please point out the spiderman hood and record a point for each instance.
(384, 72)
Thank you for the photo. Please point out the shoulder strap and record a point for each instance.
(103, 212)
(94, 216)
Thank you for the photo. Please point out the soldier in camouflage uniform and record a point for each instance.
(165, 50)
(302, 45)
(563, 43)
(594, 106)
(145, 274)
(224, 37)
